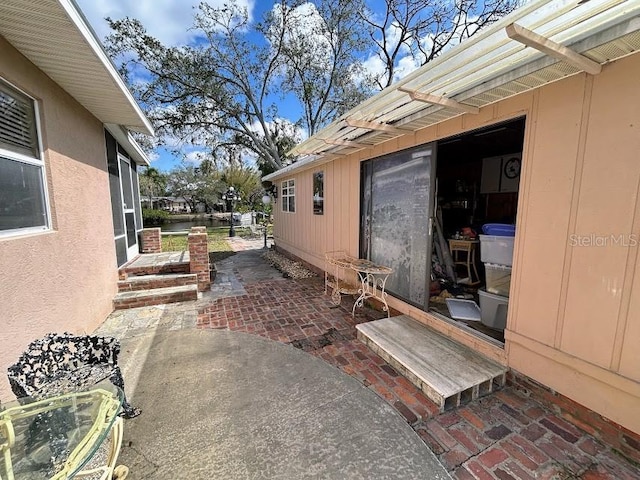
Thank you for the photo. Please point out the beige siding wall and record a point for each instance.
(65, 279)
(309, 236)
(574, 316)
(575, 325)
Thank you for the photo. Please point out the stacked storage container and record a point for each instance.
(496, 252)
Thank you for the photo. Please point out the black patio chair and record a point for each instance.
(60, 363)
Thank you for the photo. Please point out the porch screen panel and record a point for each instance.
(121, 250)
(125, 172)
(114, 184)
(136, 195)
(399, 206)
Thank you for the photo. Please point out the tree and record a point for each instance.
(187, 182)
(152, 184)
(321, 43)
(212, 93)
(245, 180)
(419, 30)
(216, 92)
(285, 137)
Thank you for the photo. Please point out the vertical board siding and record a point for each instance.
(605, 213)
(629, 365)
(545, 209)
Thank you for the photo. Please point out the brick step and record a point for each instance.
(148, 282)
(156, 296)
(448, 372)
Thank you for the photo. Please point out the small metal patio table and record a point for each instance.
(63, 436)
(372, 278)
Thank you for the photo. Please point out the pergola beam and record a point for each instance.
(383, 127)
(551, 48)
(320, 152)
(344, 143)
(438, 100)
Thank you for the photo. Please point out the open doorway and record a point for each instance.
(477, 183)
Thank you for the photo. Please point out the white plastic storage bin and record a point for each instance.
(498, 250)
(498, 279)
(493, 310)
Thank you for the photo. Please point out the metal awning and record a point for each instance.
(54, 35)
(541, 42)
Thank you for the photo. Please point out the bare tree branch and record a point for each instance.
(421, 29)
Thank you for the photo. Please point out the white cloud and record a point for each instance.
(373, 66)
(305, 25)
(404, 67)
(195, 156)
(167, 20)
(283, 125)
(393, 35)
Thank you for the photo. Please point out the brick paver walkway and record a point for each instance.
(502, 436)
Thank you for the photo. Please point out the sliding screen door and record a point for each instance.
(395, 224)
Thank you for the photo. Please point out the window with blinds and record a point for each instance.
(17, 122)
(23, 204)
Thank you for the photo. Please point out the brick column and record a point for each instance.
(151, 240)
(199, 257)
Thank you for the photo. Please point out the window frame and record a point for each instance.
(287, 193)
(39, 161)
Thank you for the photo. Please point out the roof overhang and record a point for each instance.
(126, 140)
(55, 36)
(541, 42)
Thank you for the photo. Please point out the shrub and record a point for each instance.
(154, 217)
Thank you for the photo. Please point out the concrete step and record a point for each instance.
(156, 264)
(156, 296)
(447, 372)
(148, 282)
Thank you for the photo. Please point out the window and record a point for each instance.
(23, 202)
(318, 193)
(288, 196)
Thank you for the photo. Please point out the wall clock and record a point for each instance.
(511, 167)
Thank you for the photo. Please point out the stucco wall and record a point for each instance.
(65, 279)
(574, 311)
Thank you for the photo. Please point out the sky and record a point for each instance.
(169, 22)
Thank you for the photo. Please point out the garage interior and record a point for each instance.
(477, 182)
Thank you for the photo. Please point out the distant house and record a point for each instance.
(534, 122)
(176, 205)
(69, 200)
(168, 204)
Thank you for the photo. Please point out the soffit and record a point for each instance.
(55, 37)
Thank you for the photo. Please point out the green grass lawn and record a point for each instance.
(217, 241)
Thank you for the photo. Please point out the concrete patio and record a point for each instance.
(219, 401)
